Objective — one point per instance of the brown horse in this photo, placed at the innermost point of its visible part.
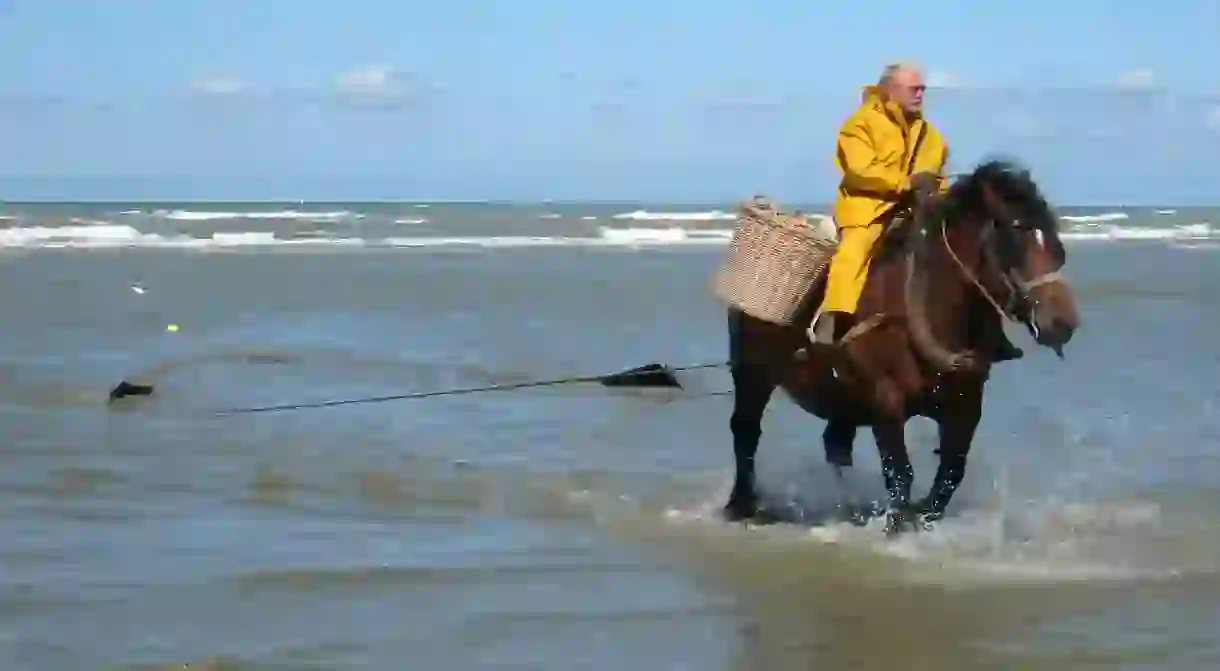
(941, 282)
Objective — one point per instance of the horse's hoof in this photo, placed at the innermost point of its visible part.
(928, 513)
(926, 520)
(740, 509)
(851, 513)
(856, 517)
(901, 520)
(925, 523)
(930, 516)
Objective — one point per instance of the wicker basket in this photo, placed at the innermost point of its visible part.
(773, 262)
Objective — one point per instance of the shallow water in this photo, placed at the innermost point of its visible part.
(568, 527)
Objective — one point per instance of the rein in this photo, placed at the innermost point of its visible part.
(916, 298)
(944, 236)
(1019, 287)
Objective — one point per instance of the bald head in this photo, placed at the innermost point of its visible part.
(903, 84)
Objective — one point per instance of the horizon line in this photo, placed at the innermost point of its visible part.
(515, 202)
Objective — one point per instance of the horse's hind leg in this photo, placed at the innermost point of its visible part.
(838, 439)
(752, 389)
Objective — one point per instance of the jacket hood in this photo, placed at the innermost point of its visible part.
(871, 95)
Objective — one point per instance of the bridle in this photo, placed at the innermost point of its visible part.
(1020, 305)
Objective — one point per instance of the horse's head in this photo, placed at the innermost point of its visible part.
(1022, 254)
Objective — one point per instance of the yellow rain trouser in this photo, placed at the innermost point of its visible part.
(849, 267)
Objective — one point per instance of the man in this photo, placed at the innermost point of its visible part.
(887, 153)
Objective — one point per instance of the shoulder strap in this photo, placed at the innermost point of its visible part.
(923, 129)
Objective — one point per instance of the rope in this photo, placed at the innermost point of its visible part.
(944, 235)
(446, 392)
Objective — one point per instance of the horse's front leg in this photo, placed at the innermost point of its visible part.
(752, 389)
(897, 470)
(956, 423)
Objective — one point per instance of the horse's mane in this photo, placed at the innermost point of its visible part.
(1009, 181)
(964, 204)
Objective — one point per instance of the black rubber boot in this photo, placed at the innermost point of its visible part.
(1004, 350)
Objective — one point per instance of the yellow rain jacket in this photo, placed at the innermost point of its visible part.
(874, 154)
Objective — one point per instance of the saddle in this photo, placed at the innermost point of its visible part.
(894, 236)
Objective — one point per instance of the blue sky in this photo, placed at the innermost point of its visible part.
(695, 100)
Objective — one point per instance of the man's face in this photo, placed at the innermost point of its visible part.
(906, 89)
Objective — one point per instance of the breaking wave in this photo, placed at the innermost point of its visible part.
(196, 215)
(634, 229)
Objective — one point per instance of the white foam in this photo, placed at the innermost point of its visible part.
(1048, 543)
(644, 235)
(1108, 232)
(243, 239)
(997, 545)
(1095, 218)
(483, 241)
(609, 237)
(199, 215)
(116, 235)
(108, 235)
(644, 215)
(39, 236)
(80, 221)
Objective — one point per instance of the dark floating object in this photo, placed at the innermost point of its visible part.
(649, 375)
(125, 389)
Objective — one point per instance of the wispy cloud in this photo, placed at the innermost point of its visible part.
(1137, 79)
(219, 86)
(378, 79)
(376, 84)
(1213, 118)
(1018, 122)
(942, 79)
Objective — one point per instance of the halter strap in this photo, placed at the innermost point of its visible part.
(1048, 278)
(1025, 285)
